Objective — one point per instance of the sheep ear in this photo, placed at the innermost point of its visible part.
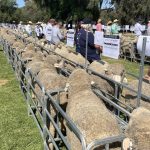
(67, 86)
(127, 144)
(92, 82)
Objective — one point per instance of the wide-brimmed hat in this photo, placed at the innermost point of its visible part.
(109, 22)
(30, 22)
(39, 23)
(116, 20)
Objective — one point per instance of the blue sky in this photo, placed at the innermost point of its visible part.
(20, 3)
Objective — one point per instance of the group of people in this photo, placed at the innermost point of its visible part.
(84, 36)
(138, 29)
(112, 27)
(51, 31)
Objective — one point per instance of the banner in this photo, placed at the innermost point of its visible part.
(99, 38)
(140, 45)
(111, 47)
(127, 27)
(70, 37)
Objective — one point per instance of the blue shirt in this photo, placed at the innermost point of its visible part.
(91, 50)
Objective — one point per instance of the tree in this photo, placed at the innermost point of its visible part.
(130, 10)
(7, 9)
(62, 9)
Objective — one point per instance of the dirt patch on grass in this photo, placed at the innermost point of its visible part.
(3, 82)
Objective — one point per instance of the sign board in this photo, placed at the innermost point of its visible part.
(111, 47)
(131, 28)
(140, 44)
(143, 27)
(127, 27)
(70, 37)
(99, 38)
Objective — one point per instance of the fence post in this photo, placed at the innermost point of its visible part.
(28, 90)
(141, 72)
(45, 121)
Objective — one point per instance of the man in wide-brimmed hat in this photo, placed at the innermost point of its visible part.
(115, 27)
(28, 28)
(39, 30)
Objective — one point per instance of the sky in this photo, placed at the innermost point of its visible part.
(20, 3)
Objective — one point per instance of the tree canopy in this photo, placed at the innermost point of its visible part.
(127, 11)
(7, 9)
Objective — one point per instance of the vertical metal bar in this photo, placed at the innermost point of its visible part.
(86, 50)
(141, 72)
(116, 96)
(57, 113)
(116, 91)
(45, 135)
(28, 91)
(107, 147)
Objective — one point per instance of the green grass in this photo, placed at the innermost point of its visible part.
(18, 131)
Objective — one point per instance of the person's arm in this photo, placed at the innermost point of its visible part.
(60, 35)
(91, 42)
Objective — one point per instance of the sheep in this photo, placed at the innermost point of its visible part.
(87, 111)
(110, 72)
(99, 67)
(138, 129)
(35, 65)
(52, 59)
(131, 97)
(19, 46)
(62, 52)
(51, 81)
(127, 46)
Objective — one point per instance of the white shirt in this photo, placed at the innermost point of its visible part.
(28, 29)
(56, 35)
(44, 28)
(138, 29)
(38, 30)
(108, 30)
(48, 32)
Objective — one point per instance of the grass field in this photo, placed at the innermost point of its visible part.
(18, 131)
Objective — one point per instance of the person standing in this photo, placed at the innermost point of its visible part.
(108, 28)
(115, 27)
(91, 50)
(39, 30)
(28, 28)
(99, 25)
(48, 31)
(20, 27)
(56, 34)
(77, 36)
(138, 29)
(148, 28)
